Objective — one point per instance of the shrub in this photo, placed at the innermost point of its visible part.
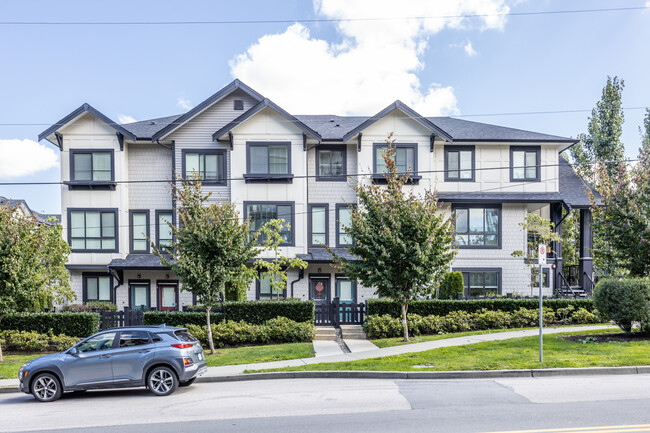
(30, 341)
(383, 326)
(77, 308)
(451, 285)
(73, 324)
(564, 315)
(582, 316)
(524, 318)
(102, 305)
(179, 318)
(624, 301)
(488, 319)
(457, 321)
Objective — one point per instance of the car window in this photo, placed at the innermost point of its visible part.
(133, 338)
(155, 337)
(185, 336)
(97, 343)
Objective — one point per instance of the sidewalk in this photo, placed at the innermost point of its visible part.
(236, 372)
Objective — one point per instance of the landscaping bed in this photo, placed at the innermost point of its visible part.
(608, 338)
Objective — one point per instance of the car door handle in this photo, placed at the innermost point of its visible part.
(145, 351)
(105, 356)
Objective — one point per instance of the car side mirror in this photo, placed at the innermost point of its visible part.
(73, 351)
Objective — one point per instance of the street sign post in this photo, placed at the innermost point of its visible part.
(541, 260)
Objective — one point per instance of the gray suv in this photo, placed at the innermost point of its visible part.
(161, 358)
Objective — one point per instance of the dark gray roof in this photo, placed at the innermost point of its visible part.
(146, 129)
(320, 255)
(137, 261)
(466, 130)
(330, 127)
(41, 217)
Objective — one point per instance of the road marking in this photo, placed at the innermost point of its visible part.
(601, 429)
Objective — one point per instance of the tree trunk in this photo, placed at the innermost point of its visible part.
(209, 330)
(1, 358)
(405, 325)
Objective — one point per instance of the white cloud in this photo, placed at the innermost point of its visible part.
(25, 157)
(125, 118)
(469, 49)
(375, 63)
(183, 103)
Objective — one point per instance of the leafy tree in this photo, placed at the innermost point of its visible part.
(211, 248)
(451, 285)
(570, 238)
(32, 263)
(404, 242)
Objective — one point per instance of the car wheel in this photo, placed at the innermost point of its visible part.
(46, 387)
(162, 381)
(187, 382)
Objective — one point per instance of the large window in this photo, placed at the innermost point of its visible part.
(268, 159)
(478, 227)
(406, 157)
(265, 290)
(91, 165)
(97, 287)
(524, 163)
(163, 230)
(139, 231)
(93, 230)
(318, 230)
(481, 282)
(459, 163)
(208, 165)
(259, 214)
(330, 163)
(346, 290)
(343, 219)
(139, 294)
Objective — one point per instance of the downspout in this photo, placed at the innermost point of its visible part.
(301, 275)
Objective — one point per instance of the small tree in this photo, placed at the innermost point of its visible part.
(451, 285)
(404, 242)
(211, 248)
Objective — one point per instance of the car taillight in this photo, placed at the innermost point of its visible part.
(182, 345)
(188, 361)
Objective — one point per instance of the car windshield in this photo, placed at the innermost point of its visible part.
(97, 342)
(185, 336)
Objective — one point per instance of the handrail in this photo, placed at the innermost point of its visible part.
(567, 284)
(590, 280)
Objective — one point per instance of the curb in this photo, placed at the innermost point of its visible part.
(417, 375)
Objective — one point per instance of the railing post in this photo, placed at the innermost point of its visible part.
(336, 312)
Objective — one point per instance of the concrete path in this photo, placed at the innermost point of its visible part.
(326, 348)
(359, 345)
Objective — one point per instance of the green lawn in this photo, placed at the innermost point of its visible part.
(255, 354)
(519, 353)
(12, 362)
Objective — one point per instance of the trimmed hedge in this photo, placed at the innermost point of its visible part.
(30, 341)
(254, 312)
(441, 307)
(625, 301)
(72, 324)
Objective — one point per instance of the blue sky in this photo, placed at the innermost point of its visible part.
(499, 64)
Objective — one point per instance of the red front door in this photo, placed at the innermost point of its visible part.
(167, 297)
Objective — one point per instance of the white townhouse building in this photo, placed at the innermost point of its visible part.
(273, 164)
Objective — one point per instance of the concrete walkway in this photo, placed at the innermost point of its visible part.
(231, 372)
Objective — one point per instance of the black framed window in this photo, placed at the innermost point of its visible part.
(97, 287)
(208, 165)
(139, 294)
(331, 163)
(546, 277)
(92, 230)
(265, 290)
(459, 164)
(478, 226)
(259, 213)
(481, 282)
(268, 158)
(343, 219)
(318, 225)
(91, 165)
(525, 163)
(139, 229)
(406, 156)
(164, 235)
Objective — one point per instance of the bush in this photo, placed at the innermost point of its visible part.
(383, 326)
(624, 301)
(77, 308)
(451, 285)
(30, 341)
(102, 305)
(457, 321)
(582, 316)
(488, 319)
(179, 318)
(73, 324)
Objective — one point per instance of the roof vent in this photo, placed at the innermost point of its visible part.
(337, 125)
(239, 104)
(332, 120)
(152, 123)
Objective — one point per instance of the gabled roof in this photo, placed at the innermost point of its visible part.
(145, 129)
(85, 108)
(399, 105)
(234, 85)
(273, 106)
(331, 127)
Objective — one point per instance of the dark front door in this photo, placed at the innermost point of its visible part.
(167, 297)
(319, 290)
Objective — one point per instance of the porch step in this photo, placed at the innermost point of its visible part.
(578, 292)
(325, 333)
(353, 332)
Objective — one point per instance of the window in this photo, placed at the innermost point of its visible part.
(346, 290)
(97, 287)
(481, 282)
(268, 159)
(260, 213)
(97, 343)
(318, 233)
(163, 231)
(139, 231)
(478, 227)
(331, 163)
(459, 163)
(265, 290)
(524, 163)
(343, 219)
(546, 277)
(139, 294)
(208, 165)
(405, 158)
(133, 338)
(91, 165)
(92, 230)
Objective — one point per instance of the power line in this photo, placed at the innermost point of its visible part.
(315, 20)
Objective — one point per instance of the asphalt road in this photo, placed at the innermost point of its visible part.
(590, 404)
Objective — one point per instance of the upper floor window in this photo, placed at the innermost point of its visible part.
(93, 230)
(318, 225)
(343, 219)
(406, 157)
(525, 163)
(163, 231)
(459, 163)
(478, 226)
(260, 213)
(97, 287)
(330, 163)
(270, 160)
(208, 165)
(91, 165)
(139, 231)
